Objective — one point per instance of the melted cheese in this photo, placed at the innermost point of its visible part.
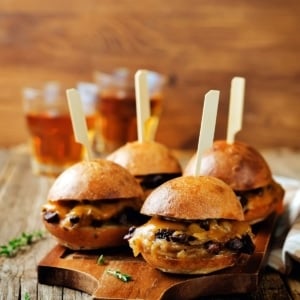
(87, 212)
(269, 195)
(144, 239)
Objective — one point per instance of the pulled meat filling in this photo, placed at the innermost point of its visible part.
(245, 196)
(260, 197)
(71, 214)
(237, 244)
(191, 238)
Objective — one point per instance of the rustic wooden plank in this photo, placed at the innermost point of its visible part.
(9, 288)
(46, 292)
(20, 212)
(28, 287)
(271, 287)
(21, 197)
(49, 292)
(75, 295)
(19, 186)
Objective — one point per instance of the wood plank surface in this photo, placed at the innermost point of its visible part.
(21, 197)
(199, 45)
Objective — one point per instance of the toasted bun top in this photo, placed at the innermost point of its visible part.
(237, 164)
(95, 180)
(146, 158)
(193, 198)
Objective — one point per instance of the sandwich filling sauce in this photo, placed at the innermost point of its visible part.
(72, 214)
(260, 197)
(207, 238)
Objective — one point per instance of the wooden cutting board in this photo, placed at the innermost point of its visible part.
(79, 270)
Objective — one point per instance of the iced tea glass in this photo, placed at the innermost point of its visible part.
(52, 141)
(116, 121)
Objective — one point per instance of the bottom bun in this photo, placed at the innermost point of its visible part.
(89, 238)
(192, 265)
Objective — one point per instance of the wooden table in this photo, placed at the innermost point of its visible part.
(21, 196)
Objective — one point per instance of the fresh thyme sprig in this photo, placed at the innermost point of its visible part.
(119, 275)
(17, 244)
(101, 260)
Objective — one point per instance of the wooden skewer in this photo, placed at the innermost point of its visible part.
(142, 103)
(208, 124)
(79, 121)
(236, 105)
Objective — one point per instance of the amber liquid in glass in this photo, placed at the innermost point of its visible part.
(52, 140)
(116, 123)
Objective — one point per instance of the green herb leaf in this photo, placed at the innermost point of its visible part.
(26, 296)
(121, 276)
(19, 243)
(101, 260)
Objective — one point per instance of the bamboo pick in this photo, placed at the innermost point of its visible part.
(236, 104)
(142, 103)
(79, 121)
(208, 124)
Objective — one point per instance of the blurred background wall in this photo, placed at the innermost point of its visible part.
(199, 44)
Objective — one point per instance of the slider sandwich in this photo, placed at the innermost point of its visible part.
(245, 170)
(151, 163)
(92, 205)
(197, 226)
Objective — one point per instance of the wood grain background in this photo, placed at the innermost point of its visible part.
(199, 44)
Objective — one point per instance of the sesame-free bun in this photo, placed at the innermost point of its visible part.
(94, 180)
(237, 164)
(193, 198)
(144, 158)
